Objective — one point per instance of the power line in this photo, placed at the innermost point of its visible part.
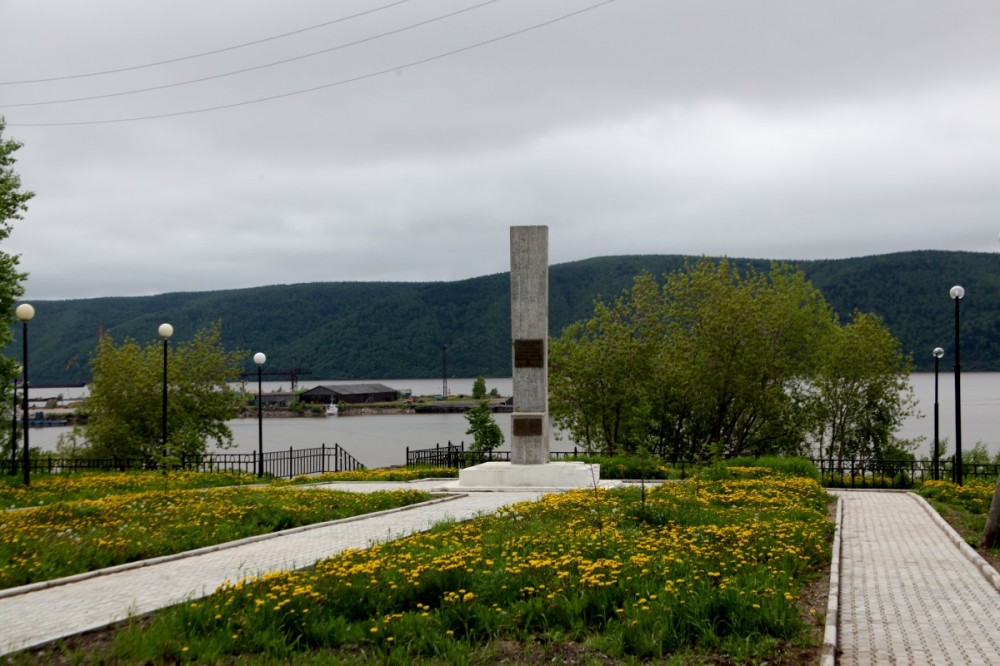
(353, 79)
(257, 67)
(207, 53)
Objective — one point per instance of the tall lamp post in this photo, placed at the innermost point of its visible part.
(165, 331)
(260, 359)
(24, 313)
(13, 425)
(957, 293)
(938, 353)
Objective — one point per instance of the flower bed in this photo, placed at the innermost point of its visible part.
(68, 537)
(711, 566)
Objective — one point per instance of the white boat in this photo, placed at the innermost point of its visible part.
(331, 410)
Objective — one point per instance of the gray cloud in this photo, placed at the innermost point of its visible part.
(774, 129)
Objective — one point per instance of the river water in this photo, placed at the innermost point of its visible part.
(378, 441)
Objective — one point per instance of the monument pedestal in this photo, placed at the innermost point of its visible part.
(559, 475)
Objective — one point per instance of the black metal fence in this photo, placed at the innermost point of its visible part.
(457, 456)
(852, 473)
(278, 464)
(834, 472)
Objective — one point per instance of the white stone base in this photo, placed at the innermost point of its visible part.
(558, 475)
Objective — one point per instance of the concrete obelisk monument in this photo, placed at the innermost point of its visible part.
(529, 325)
(529, 464)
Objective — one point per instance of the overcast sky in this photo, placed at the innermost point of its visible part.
(400, 139)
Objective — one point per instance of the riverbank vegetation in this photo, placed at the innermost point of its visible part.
(713, 568)
(341, 329)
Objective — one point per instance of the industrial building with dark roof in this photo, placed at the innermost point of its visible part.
(328, 394)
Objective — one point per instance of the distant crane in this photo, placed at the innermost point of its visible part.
(74, 363)
(293, 375)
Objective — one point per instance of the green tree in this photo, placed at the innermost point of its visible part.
(979, 455)
(13, 203)
(597, 371)
(711, 363)
(862, 392)
(736, 351)
(125, 404)
(486, 434)
(479, 388)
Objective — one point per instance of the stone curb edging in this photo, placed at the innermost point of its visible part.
(828, 656)
(984, 567)
(118, 568)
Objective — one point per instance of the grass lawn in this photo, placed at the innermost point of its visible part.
(719, 569)
(78, 523)
(965, 508)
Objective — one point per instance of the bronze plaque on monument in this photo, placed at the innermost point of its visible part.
(530, 426)
(529, 353)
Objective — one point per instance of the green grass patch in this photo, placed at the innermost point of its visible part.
(704, 567)
(66, 537)
(790, 466)
(965, 507)
(636, 467)
(48, 488)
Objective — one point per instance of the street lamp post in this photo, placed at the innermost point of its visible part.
(957, 293)
(165, 331)
(938, 353)
(13, 426)
(260, 359)
(24, 313)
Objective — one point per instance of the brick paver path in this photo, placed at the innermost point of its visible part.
(907, 593)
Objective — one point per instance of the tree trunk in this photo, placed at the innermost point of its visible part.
(991, 535)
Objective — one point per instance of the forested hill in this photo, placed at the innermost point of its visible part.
(355, 330)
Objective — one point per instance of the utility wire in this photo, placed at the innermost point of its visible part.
(340, 82)
(208, 53)
(256, 67)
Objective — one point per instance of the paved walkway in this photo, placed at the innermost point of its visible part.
(905, 589)
(909, 592)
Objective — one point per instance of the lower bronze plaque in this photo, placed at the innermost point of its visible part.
(529, 353)
(529, 426)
